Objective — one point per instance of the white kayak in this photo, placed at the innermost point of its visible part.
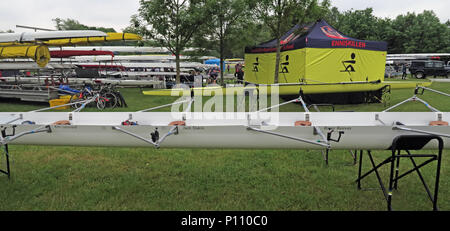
(293, 130)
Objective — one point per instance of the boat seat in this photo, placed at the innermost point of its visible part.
(61, 122)
(302, 123)
(438, 123)
(177, 123)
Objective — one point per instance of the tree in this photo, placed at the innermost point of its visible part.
(72, 24)
(419, 33)
(7, 31)
(247, 30)
(224, 15)
(361, 24)
(282, 15)
(408, 33)
(170, 22)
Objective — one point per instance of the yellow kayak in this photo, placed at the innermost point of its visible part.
(288, 89)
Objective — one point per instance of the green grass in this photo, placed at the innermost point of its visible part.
(103, 178)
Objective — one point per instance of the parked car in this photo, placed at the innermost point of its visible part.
(423, 68)
(447, 68)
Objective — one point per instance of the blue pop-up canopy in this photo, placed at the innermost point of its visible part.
(216, 62)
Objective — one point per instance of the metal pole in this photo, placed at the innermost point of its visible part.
(166, 105)
(391, 178)
(407, 100)
(290, 137)
(19, 118)
(134, 135)
(173, 130)
(303, 104)
(45, 128)
(397, 169)
(420, 175)
(279, 105)
(48, 108)
(435, 91)
(438, 174)
(420, 131)
(86, 103)
(7, 162)
(427, 104)
(360, 168)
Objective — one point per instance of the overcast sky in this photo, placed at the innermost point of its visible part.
(116, 13)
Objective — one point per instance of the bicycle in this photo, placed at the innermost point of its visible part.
(86, 97)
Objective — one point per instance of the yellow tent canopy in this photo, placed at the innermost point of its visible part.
(316, 53)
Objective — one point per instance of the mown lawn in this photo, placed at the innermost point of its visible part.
(103, 178)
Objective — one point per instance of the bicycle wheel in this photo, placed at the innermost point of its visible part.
(76, 100)
(101, 103)
(110, 100)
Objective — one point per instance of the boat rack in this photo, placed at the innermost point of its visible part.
(27, 92)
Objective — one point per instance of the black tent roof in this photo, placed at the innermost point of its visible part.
(318, 35)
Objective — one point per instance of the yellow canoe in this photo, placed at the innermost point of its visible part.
(288, 89)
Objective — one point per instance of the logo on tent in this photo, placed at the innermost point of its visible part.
(255, 65)
(332, 33)
(286, 40)
(348, 64)
(284, 65)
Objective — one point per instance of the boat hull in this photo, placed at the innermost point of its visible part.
(225, 130)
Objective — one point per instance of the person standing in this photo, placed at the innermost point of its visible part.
(404, 71)
(239, 73)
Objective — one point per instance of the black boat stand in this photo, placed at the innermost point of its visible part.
(8, 170)
(406, 143)
(6, 138)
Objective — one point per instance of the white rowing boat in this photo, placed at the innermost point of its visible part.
(295, 130)
(48, 35)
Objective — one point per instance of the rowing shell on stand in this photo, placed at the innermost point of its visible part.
(292, 130)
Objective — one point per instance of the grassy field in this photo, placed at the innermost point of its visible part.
(102, 178)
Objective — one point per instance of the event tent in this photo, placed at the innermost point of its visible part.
(316, 53)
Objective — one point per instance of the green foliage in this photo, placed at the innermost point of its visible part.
(72, 24)
(361, 24)
(7, 31)
(172, 23)
(420, 33)
(410, 33)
